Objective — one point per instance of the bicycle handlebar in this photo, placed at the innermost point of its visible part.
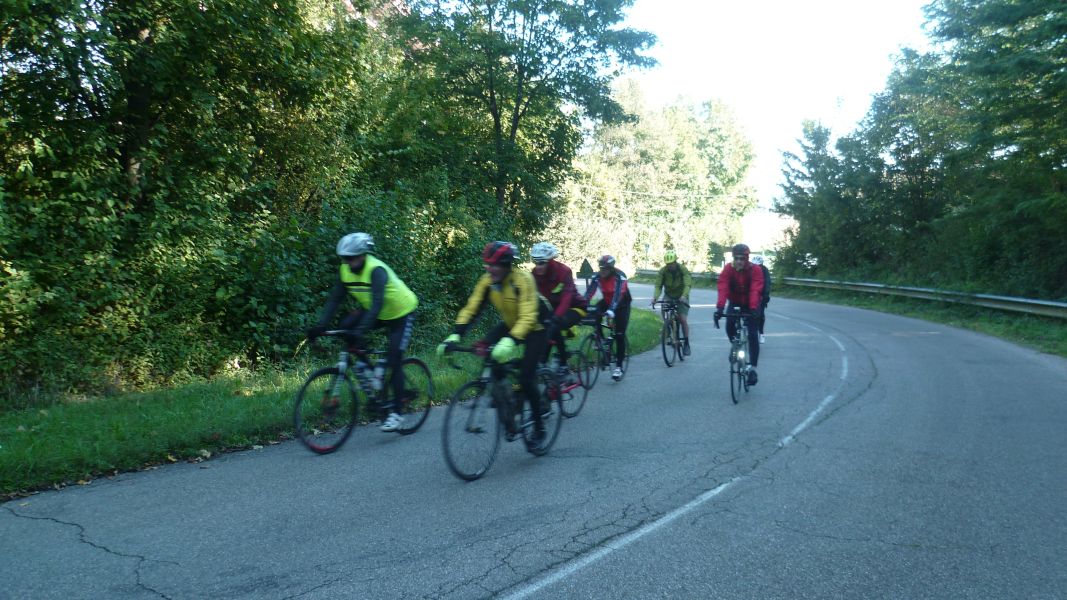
(670, 302)
(360, 352)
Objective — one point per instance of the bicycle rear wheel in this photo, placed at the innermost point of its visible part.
(626, 359)
(325, 410)
(471, 433)
(419, 394)
(589, 362)
(551, 414)
(667, 344)
(572, 391)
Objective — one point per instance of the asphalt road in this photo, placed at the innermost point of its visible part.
(878, 457)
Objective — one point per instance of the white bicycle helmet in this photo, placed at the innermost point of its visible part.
(543, 251)
(355, 244)
(757, 260)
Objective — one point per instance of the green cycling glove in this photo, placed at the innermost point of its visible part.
(452, 339)
(503, 349)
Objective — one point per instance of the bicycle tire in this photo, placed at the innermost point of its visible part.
(572, 392)
(591, 362)
(321, 419)
(470, 436)
(736, 379)
(573, 399)
(418, 385)
(551, 414)
(678, 339)
(626, 359)
(666, 342)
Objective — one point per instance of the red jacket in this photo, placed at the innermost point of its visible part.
(557, 284)
(742, 288)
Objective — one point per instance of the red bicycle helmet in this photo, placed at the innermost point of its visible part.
(499, 253)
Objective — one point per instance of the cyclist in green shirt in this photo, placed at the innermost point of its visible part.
(384, 301)
(675, 281)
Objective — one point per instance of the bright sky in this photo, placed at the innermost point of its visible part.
(777, 62)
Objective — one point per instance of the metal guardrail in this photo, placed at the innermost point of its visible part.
(1030, 306)
(1024, 305)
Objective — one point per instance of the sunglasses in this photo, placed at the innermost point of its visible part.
(540, 262)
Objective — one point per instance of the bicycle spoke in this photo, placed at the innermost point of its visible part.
(471, 432)
(419, 395)
(325, 411)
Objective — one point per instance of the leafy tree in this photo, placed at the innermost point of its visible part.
(671, 178)
(521, 62)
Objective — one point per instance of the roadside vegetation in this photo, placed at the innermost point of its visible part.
(67, 443)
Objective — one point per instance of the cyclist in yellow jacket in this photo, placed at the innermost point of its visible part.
(384, 301)
(514, 295)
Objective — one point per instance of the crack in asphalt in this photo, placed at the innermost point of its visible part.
(84, 538)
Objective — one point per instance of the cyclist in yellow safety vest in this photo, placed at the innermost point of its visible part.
(384, 301)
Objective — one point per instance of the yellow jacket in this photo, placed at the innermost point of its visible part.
(515, 298)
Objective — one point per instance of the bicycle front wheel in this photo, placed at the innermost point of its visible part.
(326, 410)
(737, 381)
(589, 362)
(667, 344)
(471, 433)
(414, 408)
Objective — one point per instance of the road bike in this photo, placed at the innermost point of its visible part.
(570, 376)
(739, 352)
(490, 407)
(670, 337)
(329, 403)
(597, 350)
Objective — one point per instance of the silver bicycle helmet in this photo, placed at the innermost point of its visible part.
(355, 244)
(543, 251)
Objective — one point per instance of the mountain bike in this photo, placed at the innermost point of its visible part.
(489, 407)
(738, 352)
(670, 337)
(328, 405)
(597, 350)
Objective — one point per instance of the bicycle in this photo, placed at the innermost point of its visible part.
(484, 406)
(670, 337)
(328, 404)
(572, 392)
(738, 353)
(597, 350)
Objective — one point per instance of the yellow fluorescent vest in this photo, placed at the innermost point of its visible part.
(399, 299)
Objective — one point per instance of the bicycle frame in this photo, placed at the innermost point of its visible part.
(671, 333)
(328, 405)
(739, 353)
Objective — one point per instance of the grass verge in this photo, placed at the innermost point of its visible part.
(75, 442)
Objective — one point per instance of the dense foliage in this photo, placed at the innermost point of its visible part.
(174, 175)
(958, 175)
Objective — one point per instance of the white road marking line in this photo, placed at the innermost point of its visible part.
(567, 569)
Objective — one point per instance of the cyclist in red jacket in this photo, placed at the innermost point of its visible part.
(555, 281)
(614, 304)
(742, 284)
